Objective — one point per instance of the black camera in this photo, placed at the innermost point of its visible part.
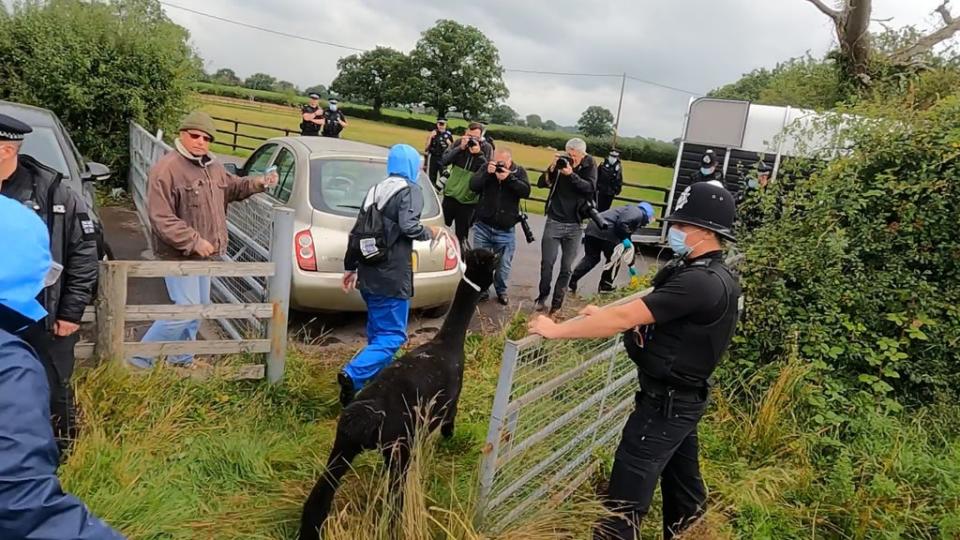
(473, 142)
(525, 225)
(563, 162)
(501, 167)
(589, 209)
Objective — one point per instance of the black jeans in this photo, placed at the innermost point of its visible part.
(654, 447)
(433, 169)
(459, 214)
(558, 237)
(593, 248)
(57, 356)
(604, 201)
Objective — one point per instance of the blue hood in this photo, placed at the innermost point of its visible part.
(404, 161)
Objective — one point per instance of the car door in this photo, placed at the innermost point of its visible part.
(258, 162)
(285, 162)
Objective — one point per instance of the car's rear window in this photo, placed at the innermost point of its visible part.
(43, 146)
(338, 186)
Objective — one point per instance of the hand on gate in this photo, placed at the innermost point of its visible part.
(65, 328)
(543, 326)
(204, 248)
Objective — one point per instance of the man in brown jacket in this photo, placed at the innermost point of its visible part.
(188, 191)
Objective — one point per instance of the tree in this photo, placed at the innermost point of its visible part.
(285, 87)
(852, 22)
(378, 77)
(260, 81)
(459, 67)
(596, 121)
(550, 125)
(799, 82)
(226, 76)
(534, 121)
(98, 65)
(318, 89)
(503, 114)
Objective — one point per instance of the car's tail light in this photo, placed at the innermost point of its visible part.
(451, 258)
(306, 256)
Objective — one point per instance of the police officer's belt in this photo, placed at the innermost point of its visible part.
(660, 389)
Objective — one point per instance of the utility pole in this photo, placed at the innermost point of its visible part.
(616, 125)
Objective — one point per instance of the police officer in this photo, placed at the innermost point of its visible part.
(750, 215)
(675, 335)
(333, 120)
(708, 169)
(311, 121)
(609, 181)
(74, 247)
(438, 142)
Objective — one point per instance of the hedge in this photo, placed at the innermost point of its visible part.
(655, 152)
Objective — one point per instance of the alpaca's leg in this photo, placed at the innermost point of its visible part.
(449, 415)
(317, 507)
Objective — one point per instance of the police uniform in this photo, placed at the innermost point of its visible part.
(331, 125)
(73, 245)
(696, 304)
(310, 129)
(708, 160)
(609, 182)
(438, 145)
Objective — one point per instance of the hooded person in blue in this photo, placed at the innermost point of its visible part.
(32, 502)
(388, 286)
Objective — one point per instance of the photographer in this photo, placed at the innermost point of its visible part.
(500, 185)
(464, 159)
(572, 179)
(333, 120)
(439, 140)
(311, 117)
(609, 181)
(620, 224)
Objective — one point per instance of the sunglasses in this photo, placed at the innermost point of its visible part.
(203, 136)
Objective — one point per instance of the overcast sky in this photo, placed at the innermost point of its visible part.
(695, 45)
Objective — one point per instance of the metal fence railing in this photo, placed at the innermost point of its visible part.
(558, 406)
(252, 224)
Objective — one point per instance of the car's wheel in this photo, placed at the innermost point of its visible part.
(436, 312)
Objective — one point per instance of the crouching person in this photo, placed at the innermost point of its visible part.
(32, 502)
(379, 262)
(621, 222)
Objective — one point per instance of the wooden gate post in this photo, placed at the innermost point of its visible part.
(111, 311)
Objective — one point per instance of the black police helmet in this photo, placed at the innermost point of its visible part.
(764, 168)
(709, 159)
(706, 205)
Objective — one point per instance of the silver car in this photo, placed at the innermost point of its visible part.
(324, 181)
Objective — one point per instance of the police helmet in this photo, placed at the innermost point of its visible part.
(708, 206)
(763, 168)
(708, 160)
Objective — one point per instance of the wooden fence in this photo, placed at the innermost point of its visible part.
(112, 312)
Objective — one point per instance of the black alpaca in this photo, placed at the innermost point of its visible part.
(384, 413)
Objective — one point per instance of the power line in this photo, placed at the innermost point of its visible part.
(360, 49)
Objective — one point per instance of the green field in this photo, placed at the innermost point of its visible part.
(387, 134)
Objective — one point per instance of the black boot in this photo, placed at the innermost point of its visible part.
(346, 388)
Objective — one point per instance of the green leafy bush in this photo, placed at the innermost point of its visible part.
(860, 268)
(97, 66)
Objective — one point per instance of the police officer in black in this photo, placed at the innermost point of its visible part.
(311, 117)
(708, 170)
(333, 120)
(676, 335)
(73, 246)
(438, 142)
(609, 181)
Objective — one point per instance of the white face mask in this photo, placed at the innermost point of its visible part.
(333, 106)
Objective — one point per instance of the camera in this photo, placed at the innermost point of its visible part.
(525, 226)
(474, 141)
(501, 167)
(589, 209)
(564, 161)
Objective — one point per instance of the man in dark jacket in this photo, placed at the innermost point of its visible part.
(388, 286)
(333, 120)
(609, 181)
(572, 179)
(32, 502)
(311, 117)
(73, 243)
(501, 185)
(708, 169)
(464, 159)
(621, 222)
(438, 142)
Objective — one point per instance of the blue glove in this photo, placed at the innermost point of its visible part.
(627, 244)
(647, 210)
(633, 271)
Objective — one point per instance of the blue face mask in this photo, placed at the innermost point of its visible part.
(677, 240)
(333, 106)
(706, 171)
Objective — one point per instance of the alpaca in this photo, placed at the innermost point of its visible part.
(384, 413)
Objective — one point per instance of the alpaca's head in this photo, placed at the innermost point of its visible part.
(481, 264)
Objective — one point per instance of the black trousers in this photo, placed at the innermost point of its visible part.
(57, 356)
(433, 170)
(593, 248)
(460, 216)
(659, 443)
(604, 201)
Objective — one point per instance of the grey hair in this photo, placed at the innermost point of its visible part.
(577, 144)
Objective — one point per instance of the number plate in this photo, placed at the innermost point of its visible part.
(415, 260)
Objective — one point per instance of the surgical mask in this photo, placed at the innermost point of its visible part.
(753, 183)
(677, 240)
(333, 107)
(706, 170)
(611, 160)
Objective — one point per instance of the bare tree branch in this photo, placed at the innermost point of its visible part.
(828, 11)
(927, 42)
